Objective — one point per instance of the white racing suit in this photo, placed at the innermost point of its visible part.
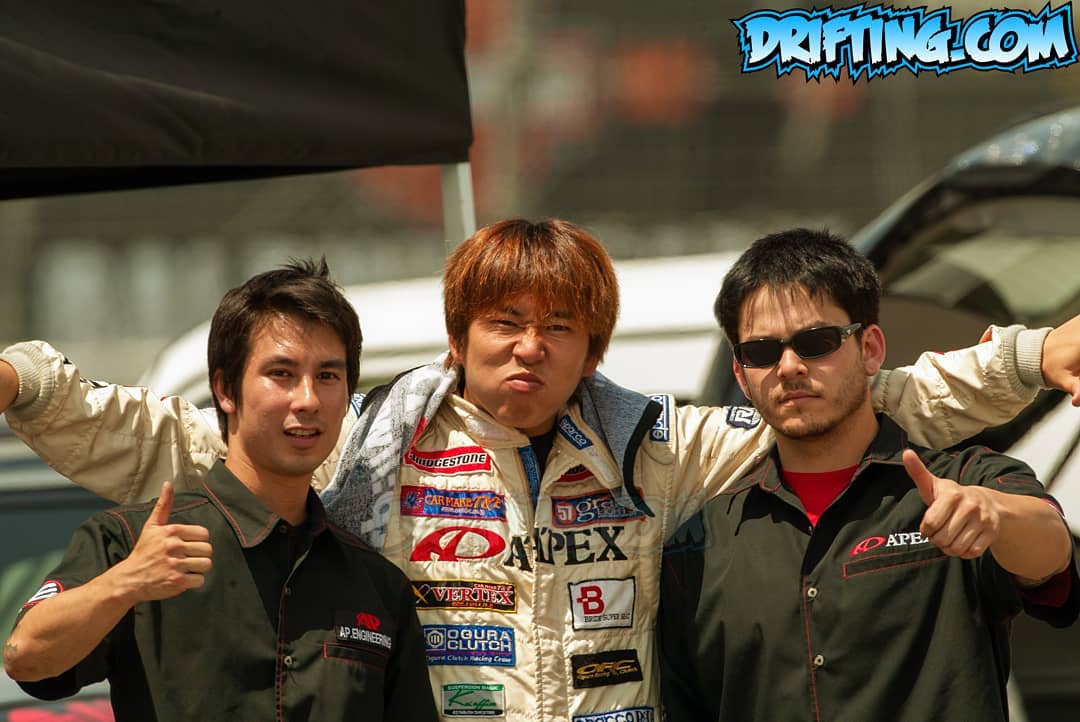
(534, 611)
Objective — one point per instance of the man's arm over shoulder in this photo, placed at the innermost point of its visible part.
(118, 441)
(944, 398)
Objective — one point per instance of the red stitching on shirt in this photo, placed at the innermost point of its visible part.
(327, 645)
(890, 566)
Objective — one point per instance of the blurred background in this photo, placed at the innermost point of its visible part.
(630, 117)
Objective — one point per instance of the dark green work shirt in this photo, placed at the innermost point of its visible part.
(764, 617)
(293, 623)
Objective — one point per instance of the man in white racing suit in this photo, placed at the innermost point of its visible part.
(526, 496)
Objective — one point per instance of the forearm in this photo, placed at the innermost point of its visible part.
(58, 633)
(1033, 543)
(945, 398)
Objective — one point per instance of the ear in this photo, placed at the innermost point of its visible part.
(456, 351)
(873, 348)
(224, 398)
(740, 376)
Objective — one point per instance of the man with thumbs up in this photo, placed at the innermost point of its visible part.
(239, 600)
(849, 575)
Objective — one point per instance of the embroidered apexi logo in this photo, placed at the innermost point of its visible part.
(460, 460)
(469, 645)
(361, 627)
(573, 434)
(897, 539)
(575, 473)
(603, 603)
(465, 594)
(451, 504)
(605, 668)
(457, 543)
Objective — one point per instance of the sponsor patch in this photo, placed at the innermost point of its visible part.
(661, 430)
(458, 543)
(361, 627)
(629, 714)
(49, 589)
(600, 506)
(459, 460)
(575, 473)
(603, 603)
(573, 434)
(464, 594)
(469, 645)
(895, 539)
(744, 417)
(356, 402)
(615, 666)
(469, 699)
(452, 504)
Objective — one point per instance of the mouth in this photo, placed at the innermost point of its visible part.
(524, 382)
(302, 433)
(793, 396)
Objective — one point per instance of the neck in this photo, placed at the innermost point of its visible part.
(284, 496)
(840, 447)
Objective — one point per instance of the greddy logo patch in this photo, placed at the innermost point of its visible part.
(428, 501)
(630, 714)
(573, 511)
(458, 543)
(469, 645)
(605, 668)
(897, 539)
(49, 589)
(603, 603)
(361, 627)
(464, 594)
(573, 434)
(460, 460)
(744, 417)
(467, 699)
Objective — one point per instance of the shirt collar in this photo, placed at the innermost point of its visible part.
(247, 515)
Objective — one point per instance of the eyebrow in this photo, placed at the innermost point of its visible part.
(289, 361)
(518, 314)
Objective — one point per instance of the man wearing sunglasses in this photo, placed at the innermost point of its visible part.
(849, 575)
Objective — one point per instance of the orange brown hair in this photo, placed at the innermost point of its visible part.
(561, 265)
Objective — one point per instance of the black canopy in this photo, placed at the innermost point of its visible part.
(134, 93)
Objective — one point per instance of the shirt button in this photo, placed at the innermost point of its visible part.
(819, 661)
(282, 529)
(811, 593)
(288, 660)
(288, 591)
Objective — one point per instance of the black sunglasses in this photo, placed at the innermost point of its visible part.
(811, 343)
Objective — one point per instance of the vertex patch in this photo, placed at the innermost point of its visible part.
(470, 645)
(661, 430)
(49, 589)
(464, 594)
(616, 666)
(452, 504)
(603, 603)
(471, 699)
(459, 460)
(575, 473)
(744, 417)
(361, 627)
(627, 714)
(594, 508)
(573, 434)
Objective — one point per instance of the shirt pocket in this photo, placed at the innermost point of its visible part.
(339, 652)
(893, 563)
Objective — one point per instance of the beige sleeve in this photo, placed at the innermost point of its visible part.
(121, 442)
(944, 398)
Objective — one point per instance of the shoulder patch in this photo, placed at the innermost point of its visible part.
(744, 417)
(661, 430)
(573, 434)
(355, 403)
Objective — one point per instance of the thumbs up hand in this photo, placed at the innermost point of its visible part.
(962, 521)
(168, 559)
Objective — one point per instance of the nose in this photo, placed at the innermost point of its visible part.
(304, 396)
(529, 347)
(790, 364)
